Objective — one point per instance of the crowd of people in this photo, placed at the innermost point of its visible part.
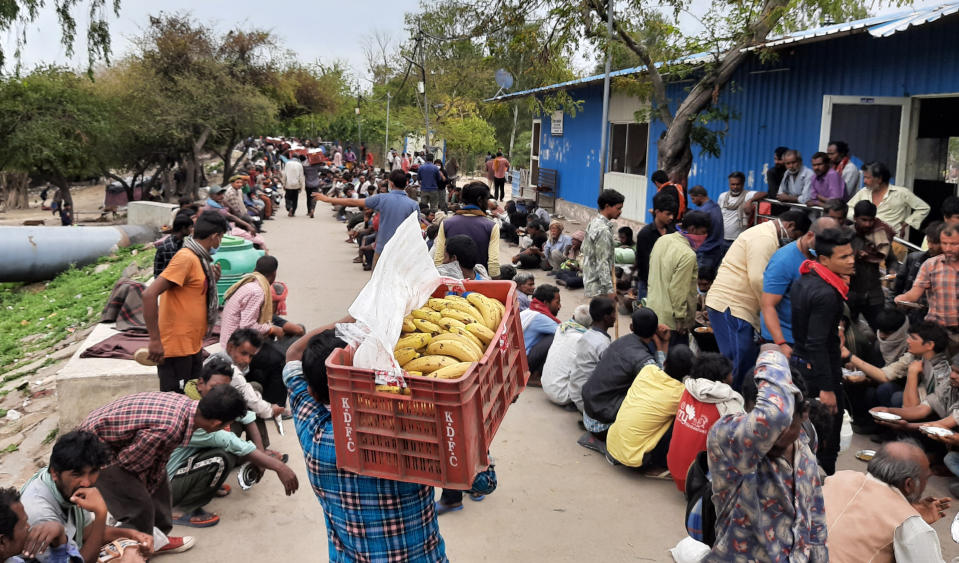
(755, 322)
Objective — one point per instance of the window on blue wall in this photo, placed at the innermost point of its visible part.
(627, 147)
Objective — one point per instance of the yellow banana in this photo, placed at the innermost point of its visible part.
(479, 331)
(429, 364)
(474, 342)
(416, 373)
(416, 340)
(456, 297)
(408, 325)
(404, 355)
(453, 372)
(467, 309)
(457, 350)
(456, 337)
(462, 317)
(485, 309)
(437, 304)
(393, 390)
(426, 326)
(426, 314)
(448, 323)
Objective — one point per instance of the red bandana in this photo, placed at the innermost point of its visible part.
(827, 275)
(540, 307)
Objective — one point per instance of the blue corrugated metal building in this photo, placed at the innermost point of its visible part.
(888, 85)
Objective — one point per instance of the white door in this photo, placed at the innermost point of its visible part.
(876, 128)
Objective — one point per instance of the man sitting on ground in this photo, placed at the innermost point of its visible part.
(525, 286)
(62, 499)
(539, 325)
(142, 430)
(864, 511)
(708, 396)
(198, 470)
(750, 456)
(561, 358)
(14, 530)
(941, 408)
(607, 386)
(641, 434)
(590, 348)
(460, 260)
(248, 304)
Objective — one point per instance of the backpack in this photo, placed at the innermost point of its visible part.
(700, 512)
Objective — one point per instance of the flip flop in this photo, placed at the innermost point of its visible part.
(199, 518)
(223, 491)
(444, 508)
(142, 357)
(658, 473)
(591, 442)
(476, 497)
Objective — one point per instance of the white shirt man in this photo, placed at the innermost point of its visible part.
(293, 177)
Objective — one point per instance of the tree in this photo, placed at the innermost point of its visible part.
(49, 120)
(646, 31)
(19, 14)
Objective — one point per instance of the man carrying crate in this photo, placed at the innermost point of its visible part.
(367, 519)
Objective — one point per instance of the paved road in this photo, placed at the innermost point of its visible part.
(555, 501)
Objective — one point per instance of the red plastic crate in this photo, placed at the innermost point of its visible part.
(439, 434)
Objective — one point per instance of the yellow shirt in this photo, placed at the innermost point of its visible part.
(739, 281)
(897, 206)
(644, 417)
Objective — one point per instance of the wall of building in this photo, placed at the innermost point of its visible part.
(778, 102)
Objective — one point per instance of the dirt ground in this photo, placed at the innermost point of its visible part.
(87, 201)
(555, 502)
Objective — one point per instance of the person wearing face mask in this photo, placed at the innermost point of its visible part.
(734, 309)
(737, 208)
(674, 273)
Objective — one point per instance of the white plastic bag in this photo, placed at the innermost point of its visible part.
(404, 278)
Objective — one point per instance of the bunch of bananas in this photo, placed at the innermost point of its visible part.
(443, 338)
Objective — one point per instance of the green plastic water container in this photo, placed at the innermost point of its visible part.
(236, 258)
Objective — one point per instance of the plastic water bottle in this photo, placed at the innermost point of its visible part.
(845, 434)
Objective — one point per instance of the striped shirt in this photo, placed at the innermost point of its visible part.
(940, 280)
(242, 310)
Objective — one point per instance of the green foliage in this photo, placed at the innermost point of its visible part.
(51, 436)
(466, 136)
(70, 302)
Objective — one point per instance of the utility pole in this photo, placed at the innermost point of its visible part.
(605, 123)
(359, 124)
(426, 102)
(386, 141)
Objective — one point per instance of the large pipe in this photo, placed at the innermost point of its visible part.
(29, 254)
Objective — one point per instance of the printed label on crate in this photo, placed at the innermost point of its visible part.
(503, 342)
(450, 439)
(348, 424)
(393, 378)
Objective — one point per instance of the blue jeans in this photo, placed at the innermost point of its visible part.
(736, 340)
(889, 394)
(952, 462)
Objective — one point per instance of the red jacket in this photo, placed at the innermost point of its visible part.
(694, 418)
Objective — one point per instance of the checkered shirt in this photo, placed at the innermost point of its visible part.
(941, 283)
(367, 519)
(143, 430)
(165, 251)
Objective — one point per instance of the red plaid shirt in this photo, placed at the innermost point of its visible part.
(143, 430)
(940, 280)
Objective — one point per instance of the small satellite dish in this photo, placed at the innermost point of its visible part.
(504, 79)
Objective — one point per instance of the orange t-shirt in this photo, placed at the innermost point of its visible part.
(183, 307)
(500, 166)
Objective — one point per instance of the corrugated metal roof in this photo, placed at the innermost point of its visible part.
(877, 26)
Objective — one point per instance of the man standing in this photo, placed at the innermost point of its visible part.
(881, 515)
(795, 185)
(393, 207)
(500, 168)
(665, 208)
(142, 430)
(938, 280)
(895, 206)
(187, 305)
(661, 180)
(733, 301)
(737, 208)
(311, 182)
(826, 183)
(63, 497)
(871, 246)
(673, 275)
(710, 253)
(166, 250)
(817, 306)
(431, 178)
(294, 180)
(766, 486)
(598, 255)
(774, 174)
(838, 152)
(776, 313)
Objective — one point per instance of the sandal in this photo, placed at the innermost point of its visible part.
(658, 473)
(223, 491)
(444, 508)
(476, 497)
(199, 518)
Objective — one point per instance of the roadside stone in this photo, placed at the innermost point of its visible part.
(35, 437)
(31, 338)
(102, 268)
(13, 414)
(16, 467)
(26, 368)
(14, 439)
(66, 352)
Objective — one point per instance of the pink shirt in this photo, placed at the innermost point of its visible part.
(242, 310)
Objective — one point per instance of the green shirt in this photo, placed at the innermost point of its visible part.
(597, 257)
(673, 274)
(202, 440)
